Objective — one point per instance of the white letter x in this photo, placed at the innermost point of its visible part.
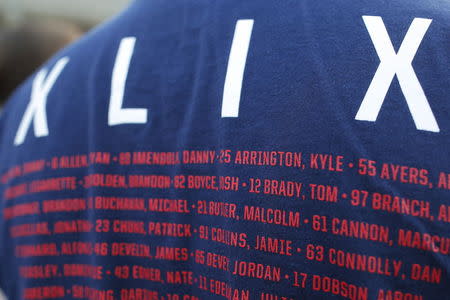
(36, 110)
(399, 64)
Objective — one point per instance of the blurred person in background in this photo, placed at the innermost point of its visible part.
(230, 149)
(25, 47)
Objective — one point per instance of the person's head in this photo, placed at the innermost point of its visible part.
(25, 47)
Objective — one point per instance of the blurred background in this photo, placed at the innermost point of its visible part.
(31, 31)
(86, 13)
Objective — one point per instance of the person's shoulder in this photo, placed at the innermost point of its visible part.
(64, 78)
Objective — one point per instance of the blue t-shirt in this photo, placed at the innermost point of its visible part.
(234, 150)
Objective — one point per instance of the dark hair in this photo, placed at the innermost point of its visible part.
(26, 47)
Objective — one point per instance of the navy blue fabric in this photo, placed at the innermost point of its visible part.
(309, 66)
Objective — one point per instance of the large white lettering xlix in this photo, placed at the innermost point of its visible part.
(399, 64)
(36, 110)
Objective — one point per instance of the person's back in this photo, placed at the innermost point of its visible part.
(234, 149)
(26, 46)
